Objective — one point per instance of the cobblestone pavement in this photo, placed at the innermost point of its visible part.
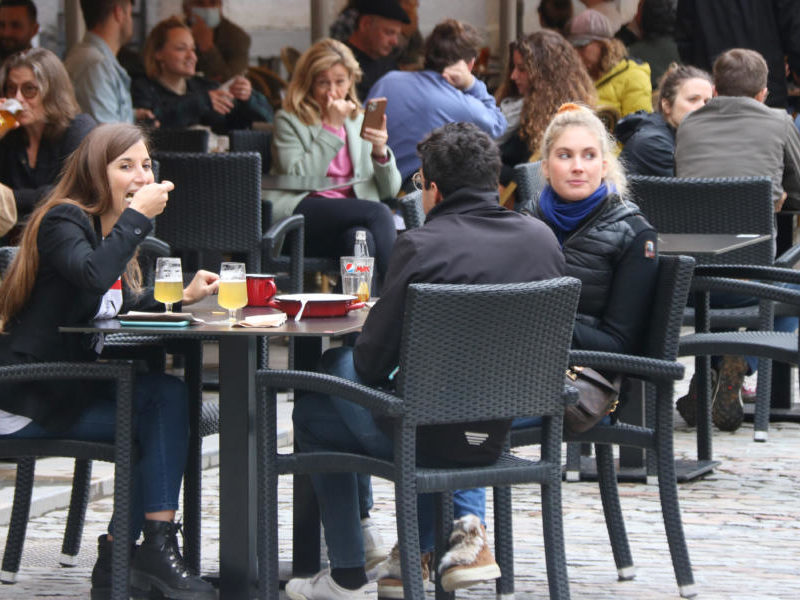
(741, 523)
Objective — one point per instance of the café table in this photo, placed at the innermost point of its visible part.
(307, 183)
(631, 461)
(237, 439)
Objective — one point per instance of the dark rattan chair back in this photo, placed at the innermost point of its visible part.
(179, 140)
(7, 254)
(530, 183)
(253, 140)
(216, 204)
(455, 353)
(411, 209)
(730, 205)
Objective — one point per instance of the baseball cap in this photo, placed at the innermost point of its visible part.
(588, 26)
(389, 9)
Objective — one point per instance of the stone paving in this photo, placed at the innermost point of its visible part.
(741, 523)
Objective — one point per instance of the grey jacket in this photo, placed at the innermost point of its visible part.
(735, 136)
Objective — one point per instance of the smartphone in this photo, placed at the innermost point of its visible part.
(373, 115)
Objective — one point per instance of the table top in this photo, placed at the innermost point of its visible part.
(216, 326)
(706, 244)
(303, 183)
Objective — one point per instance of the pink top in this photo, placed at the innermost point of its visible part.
(340, 166)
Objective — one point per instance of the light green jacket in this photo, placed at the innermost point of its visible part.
(299, 149)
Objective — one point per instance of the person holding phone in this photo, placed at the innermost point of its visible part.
(319, 132)
(180, 98)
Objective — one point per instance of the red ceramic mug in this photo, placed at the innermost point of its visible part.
(260, 288)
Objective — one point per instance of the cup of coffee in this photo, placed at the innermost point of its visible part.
(260, 288)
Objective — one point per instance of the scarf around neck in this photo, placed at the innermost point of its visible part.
(566, 216)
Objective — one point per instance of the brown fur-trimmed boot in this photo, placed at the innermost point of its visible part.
(469, 559)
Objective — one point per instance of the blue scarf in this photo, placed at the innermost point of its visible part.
(566, 216)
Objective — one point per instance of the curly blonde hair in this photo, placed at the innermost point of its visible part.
(556, 74)
(613, 52)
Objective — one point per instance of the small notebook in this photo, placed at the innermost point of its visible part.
(159, 317)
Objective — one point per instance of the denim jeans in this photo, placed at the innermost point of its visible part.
(161, 429)
(330, 423)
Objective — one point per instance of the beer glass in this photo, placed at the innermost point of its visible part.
(232, 288)
(169, 281)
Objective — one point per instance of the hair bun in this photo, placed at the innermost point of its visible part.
(567, 107)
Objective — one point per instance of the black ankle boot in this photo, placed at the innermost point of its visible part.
(158, 564)
(101, 573)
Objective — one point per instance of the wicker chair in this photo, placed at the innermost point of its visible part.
(120, 452)
(658, 367)
(530, 183)
(253, 140)
(179, 140)
(484, 321)
(730, 205)
(215, 207)
(411, 209)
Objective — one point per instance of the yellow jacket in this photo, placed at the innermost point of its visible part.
(626, 88)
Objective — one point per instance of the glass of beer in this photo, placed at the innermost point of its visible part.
(169, 281)
(232, 288)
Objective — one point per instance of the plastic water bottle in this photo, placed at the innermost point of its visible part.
(361, 250)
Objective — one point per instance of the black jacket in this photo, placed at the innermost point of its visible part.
(75, 270)
(174, 111)
(649, 144)
(468, 238)
(31, 184)
(706, 28)
(614, 254)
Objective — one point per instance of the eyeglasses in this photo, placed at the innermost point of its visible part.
(29, 90)
(416, 179)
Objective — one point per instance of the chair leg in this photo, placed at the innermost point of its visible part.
(763, 399)
(573, 472)
(668, 491)
(408, 539)
(79, 500)
(651, 461)
(609, 494)
(504, 542)
(553, 530)
(444, 524)
(192, 478)
(267, 490)
(23, 488)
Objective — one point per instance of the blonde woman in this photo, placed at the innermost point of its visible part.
(317, 133)
(607, 242)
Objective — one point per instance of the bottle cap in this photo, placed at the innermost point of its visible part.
(11, 105)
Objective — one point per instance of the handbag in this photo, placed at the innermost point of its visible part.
(597, 397)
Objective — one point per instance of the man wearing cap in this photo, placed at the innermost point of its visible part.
(376, 35)
(623, 84)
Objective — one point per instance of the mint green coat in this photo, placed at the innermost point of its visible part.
(299, 149)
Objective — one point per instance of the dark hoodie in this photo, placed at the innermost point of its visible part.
(649, 144)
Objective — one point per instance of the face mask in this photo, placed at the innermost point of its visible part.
(210, 15)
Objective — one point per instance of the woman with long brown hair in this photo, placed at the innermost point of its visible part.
(543, 72)
(50, 125)
(77, 262)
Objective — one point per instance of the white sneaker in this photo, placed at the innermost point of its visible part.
(322, 587)
(374, 549)
(390, 575)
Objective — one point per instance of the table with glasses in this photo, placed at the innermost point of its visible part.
(237, 393)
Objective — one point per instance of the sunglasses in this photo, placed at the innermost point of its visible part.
(29, 90)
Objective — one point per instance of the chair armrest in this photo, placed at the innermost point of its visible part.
(789, 258)
(756, 289)
(155, 247)
(38, 371)
(363, 395)
(272, 240)
(642, 367)
(760, 272)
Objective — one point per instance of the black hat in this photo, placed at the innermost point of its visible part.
(389, 9)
